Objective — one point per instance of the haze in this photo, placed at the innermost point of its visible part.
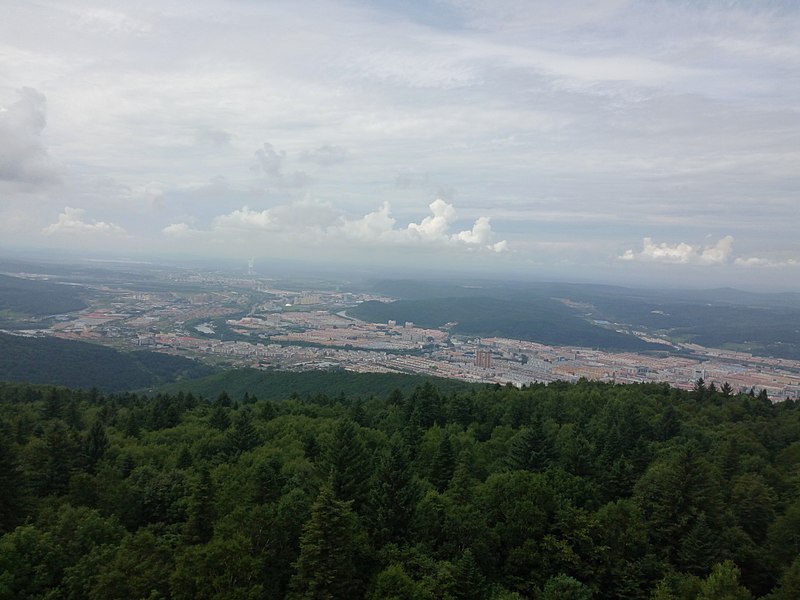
(653, 142)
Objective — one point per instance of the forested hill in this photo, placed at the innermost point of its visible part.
(79, 364)
(534, 318)
(36, 298)
(278, 385)
(565, 491)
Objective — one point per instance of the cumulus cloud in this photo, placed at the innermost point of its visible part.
(437, 223)
(23, 155)
(321, 222)
(326, 155)
(71, 221)
(682, 253)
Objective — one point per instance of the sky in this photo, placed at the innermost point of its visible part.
(653, 142)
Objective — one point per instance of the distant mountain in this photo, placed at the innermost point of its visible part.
(79, 364)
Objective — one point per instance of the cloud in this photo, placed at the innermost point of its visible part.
(23, 156)
(765, 262)
(269, 160)
(436, 225)
(682, 253)
(270, 163)
(178, 230)
(326, 155)
(317, 222)
(214, 137)
(71, 221)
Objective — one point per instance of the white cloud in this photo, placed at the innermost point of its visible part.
(480, 233)
(178, 230)
(682, 253)
(244, 218)
(23, 156)
(71, 222)
(318, 222)
(436, 225)
(372, 227)
(765, 262)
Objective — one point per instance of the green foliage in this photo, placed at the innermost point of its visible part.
(583, 490)
(329, 548)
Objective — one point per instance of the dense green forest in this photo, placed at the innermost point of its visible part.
(533, 318)
(568, 491)
(71, 363)
(278, 385)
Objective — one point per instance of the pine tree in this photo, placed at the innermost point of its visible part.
(348, 464)
(219, 419)
(444, 464)
(11, 487)
(96, 445)
(243, 437)
(469, 582)
(327, 568)
(393, 495)
(200, 524)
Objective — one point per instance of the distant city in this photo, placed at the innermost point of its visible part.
(247, 321)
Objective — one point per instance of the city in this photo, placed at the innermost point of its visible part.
(249, 322)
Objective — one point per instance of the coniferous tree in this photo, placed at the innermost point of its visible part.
(444, 463)
(348, 464)
(243, 436)
(202, 514)
(12, 487)
(469, 582)
(393, 495)
(96, 445)
(219, 419)
(327, 567)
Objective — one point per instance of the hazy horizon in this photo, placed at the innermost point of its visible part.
(633, 143)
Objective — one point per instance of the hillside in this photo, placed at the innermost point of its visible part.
(29, 297)
(83, 365)
(278, 385)
(535, 318)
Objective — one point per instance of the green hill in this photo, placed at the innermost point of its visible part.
(279, 385)
(37, 298)
(78, 364)
(535, 318)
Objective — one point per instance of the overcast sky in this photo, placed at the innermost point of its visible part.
(620, 140)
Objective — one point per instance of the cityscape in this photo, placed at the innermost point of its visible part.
(249, 322)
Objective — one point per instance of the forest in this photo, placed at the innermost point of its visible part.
(561, 491)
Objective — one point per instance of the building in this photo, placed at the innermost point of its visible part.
(483, 358)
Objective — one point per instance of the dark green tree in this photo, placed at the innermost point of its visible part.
(327, 568)
(202, 512)
(348, 464)
(96, 445)
(468, 581)
(219, 419)
(393, 495)
(243, 436)
(444, 463)
(12, 487)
